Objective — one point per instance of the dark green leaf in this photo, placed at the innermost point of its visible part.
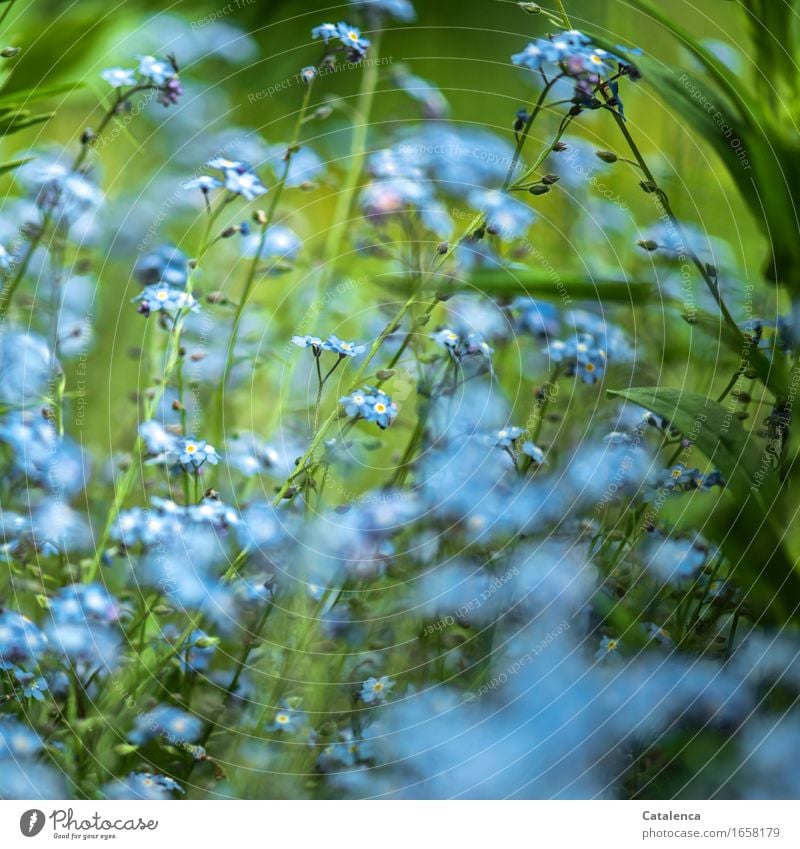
(515, 282)
(11, 166)
(747, 530)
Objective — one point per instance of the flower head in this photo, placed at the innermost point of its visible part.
(342, 348)
(348, 36)
(287, 720)
(119, 77)
(313, 342)
(376, 690)
(572, 54)
(193, 453)
(372, 405)
(166, 299)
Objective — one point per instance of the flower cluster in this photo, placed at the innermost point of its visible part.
(158, 75)
(581, 356)
(237, 178)
(573, 54)
(347, 36)
(333, 344)
(372, 405)
(326, 608)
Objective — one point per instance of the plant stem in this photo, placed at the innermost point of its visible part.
(173, 357)
(277, 193)
(358, 142)
(563, 12)
(305, 461)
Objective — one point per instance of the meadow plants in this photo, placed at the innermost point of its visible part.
(390, 458)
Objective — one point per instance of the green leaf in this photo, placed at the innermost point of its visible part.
(773, 374)
(13, 165)
(747, 529)
(567, 287)
(21, 121)
(23, 96)
(758, 146)
(712, 427)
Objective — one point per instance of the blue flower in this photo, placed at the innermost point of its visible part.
(571, 53)
(156, 70)
(313, 342)
(342, 348)
(582, 355)
(372, 405)
(222, 163)
(376, 690)
(174, 725)
(32, 686)
(534, 452)
(247, 184)
(17, 740)
(21, 641)
(308, 73)
(325, 31)
(447, 338)
(506, 437)
(609, 648)
(193, 453)
(347, 35)
(142, 785)
(351, 38)
(166, 299)
(280, 242)
(166, 264)
(287, 720)
(205, 183)
(400, 10)
(119, 77)
(82, 603)
(157, 440)
(355, 404)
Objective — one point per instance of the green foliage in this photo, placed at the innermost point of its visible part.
(748, 532)
(748, 130)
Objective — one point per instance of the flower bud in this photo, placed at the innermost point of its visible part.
(648, 244)
(607, 156)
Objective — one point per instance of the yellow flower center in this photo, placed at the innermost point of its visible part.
(380, 408)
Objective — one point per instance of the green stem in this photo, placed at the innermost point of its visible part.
(320, 434)
(563, 12)
(123, 490)
(10, 286)
(277, 193)
(710, 281)
(358, 142)
(305, 461)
